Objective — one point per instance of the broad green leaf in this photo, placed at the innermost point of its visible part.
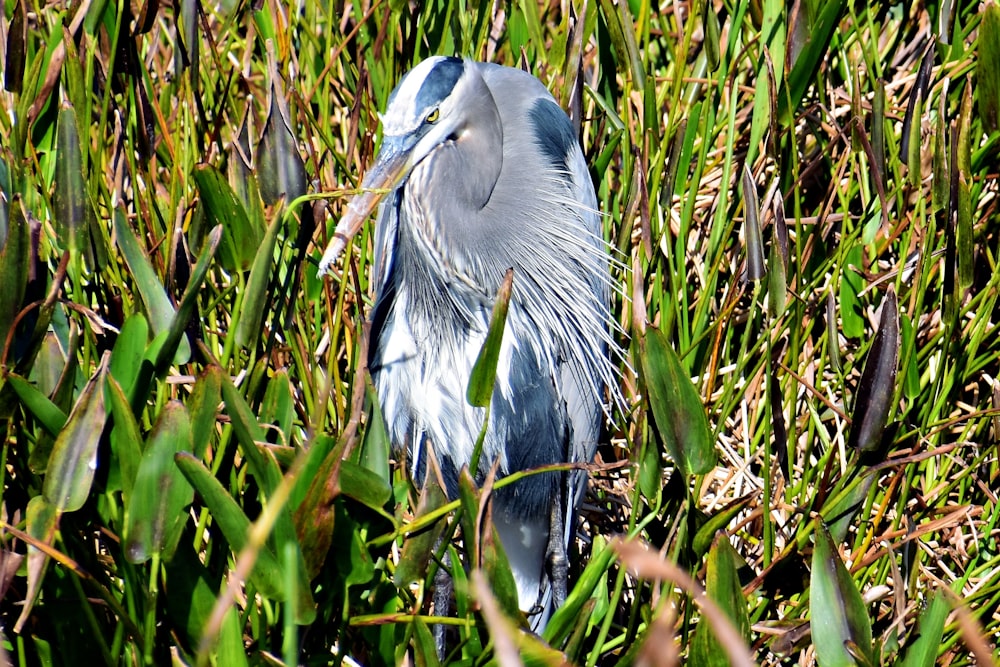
(280, 169)
(256, 297)
(536, 653)
(911, 376)
(877, 386)
(484, 548)
(814, 50)
(375, 448)
(926, 638)
(231, 650)
(17, 37)
(45, 411)
(154, 296)
(677, 409)
(49, 363)
(705, 535)
(988, 66)
(838, 616)
(156, 512)
(233, 523)
(128, 352)
(189, 303)
(363, 485)
(424, 646)
(351, 559)
(14, 260)
(751, 228)
(240, 240)
(69, 198)
(844, 503)
(249, 433)
(497, 568)
(723, 586)
(73, 460)
(278, 408)
(125, 438)
(965, 251)
(484, 372)
(851, 284)
(204, 407)
(193, 589)
(713, 40)
(651, 471)
(594, 574)
(268, 475)
(315, 515)
(418, 546)
(41, 522)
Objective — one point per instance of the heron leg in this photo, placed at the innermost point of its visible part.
(443, 589)
(555, 556)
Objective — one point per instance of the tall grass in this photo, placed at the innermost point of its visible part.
(805, 199)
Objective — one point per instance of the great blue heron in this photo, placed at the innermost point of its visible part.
(483, 172)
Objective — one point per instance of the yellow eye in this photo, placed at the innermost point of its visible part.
(433, 116)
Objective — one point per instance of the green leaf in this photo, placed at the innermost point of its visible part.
(877, 387)
(425, 648)
(41, 522)
(651, 471)
(189, 303)
(988, 66)
(363, 485)
(751, 227)
(923, 651)
(278, 408)
(128, 352)
(677, 409)
(69, 198)
(838, 617)
(851, 284)
(376, 448)
(844, 503)
(156, 512)
(249, 433)
(45, 411)
(807, 60)
(256, 297)
(280, 168)
(235, 526)
(587, 586)
(154, 296)
(419, 545)
(125, 438)
(73, 460)
(722, 584)
(484, 372)
(705, 536)
(193, 589)
(204, 406)
(15, 247)
(315, 515)
(240, 240)
(231, 650)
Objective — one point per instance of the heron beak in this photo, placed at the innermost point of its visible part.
(390, 168)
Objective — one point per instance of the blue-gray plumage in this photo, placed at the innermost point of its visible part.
(483, 172)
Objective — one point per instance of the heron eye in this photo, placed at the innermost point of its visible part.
(433, 116)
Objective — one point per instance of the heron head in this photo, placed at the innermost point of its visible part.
(436, 106)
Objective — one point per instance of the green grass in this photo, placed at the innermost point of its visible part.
(192, 468)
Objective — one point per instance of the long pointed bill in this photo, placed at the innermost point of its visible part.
(390, 168)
